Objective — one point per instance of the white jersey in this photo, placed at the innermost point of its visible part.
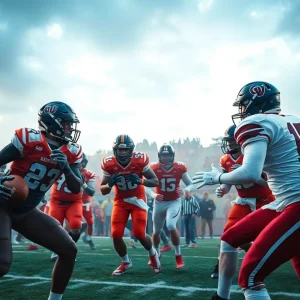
(282, 163)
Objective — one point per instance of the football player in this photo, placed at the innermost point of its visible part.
(167, 196)
(66, 205)
(41, 157)
(250, 196)
(270, 142)
(128, 172)
(89, 179)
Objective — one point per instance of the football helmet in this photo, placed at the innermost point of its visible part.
(229, 144)
(255, 98)
(55, 118)
(123, 147)
(166, 154)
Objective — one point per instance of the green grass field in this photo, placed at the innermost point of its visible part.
(30, 275)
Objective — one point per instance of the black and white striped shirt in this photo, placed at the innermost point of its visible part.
(189, 206)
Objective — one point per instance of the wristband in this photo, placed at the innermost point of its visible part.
(220, 178)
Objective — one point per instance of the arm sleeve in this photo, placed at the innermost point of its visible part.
(253, 163)
(8, 154)
(188, 182)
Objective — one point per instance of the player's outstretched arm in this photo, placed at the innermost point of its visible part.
(252, 167)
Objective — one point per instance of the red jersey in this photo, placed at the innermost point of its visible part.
(90, 178)
(250, 190)
(36, 165)
(138, 165)
(169, 181)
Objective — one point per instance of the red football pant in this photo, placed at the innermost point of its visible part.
(71, 212)
(275, 237)
(88, 216)
(119, 218)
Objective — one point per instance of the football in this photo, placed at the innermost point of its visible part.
(20, 189)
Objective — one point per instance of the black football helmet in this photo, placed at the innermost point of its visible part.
(166, 154)
(229, 144)
(84, 161)
(121, 143)
(52, 117)
(255, 98)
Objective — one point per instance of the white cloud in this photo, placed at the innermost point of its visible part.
(55, 31)
(90, 68)
(205, 5)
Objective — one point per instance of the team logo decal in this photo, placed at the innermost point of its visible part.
(257, 90)
(50, 109)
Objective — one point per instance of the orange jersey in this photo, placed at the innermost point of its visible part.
(250, 190)
(169, 181)
(36, 165)
(90, 177)
(138, 164)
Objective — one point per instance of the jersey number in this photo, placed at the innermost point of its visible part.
(123, 185)
(60, 182)
(294, 129)
(168, 184)
(37, 174)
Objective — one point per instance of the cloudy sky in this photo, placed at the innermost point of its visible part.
(150, 68)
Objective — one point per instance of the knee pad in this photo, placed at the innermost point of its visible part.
(225, 247)
(171, 226)
(116, 234)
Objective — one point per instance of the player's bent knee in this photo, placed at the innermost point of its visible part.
(225, 247)
(140, 235)
(117, 234)
(4, 268)
(171, 227)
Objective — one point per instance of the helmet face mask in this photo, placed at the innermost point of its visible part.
(123, 148)
(166, 155)
(59, 121)
(256, 98)
(229, 144)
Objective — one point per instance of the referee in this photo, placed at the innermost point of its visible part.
(189, 208)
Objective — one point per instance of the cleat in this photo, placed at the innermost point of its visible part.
(215, 273)
(155, 263)
(92, 245)
(54, 256)
(32, 247)
(192, 245)
(166, 248)
(131, 243)
(123, 267)
(179, 262)
(216, 297)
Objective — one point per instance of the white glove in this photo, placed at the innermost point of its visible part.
(219, 192)
(207, 178)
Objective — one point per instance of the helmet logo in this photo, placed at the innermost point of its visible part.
(50, 109)
(257, 90)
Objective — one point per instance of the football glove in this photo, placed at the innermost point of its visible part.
(5, 192)
(219, 192)
(61, 159)
(207, 178)
(114, 180)
(134, 179)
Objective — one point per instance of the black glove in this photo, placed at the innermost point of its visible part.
(5, 192)
(114, 179)
(134, 179)
(61, 160)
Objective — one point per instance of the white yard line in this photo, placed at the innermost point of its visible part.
(184, 291)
